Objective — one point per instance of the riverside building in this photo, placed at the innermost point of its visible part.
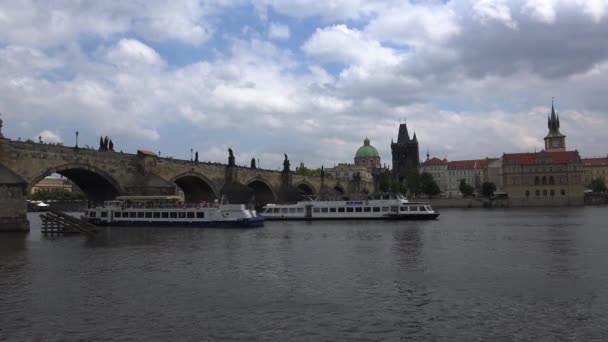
(552, 177)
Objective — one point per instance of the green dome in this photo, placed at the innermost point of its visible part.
(367, 151)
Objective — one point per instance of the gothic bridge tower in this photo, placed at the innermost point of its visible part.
(554, 141)
(405, 154)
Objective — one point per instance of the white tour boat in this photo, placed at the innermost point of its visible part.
(382, 206)
(169, 211)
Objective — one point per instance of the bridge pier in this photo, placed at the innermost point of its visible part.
(13, 205)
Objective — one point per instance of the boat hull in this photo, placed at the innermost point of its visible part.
(397, 217)
(245, 223)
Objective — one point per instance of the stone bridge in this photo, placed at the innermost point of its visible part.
(104, 175)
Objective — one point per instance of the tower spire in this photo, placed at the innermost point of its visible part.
(428, 155)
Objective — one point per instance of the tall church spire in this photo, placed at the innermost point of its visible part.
(555, 140)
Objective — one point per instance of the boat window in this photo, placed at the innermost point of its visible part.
(157, 215)
(104, 214)
(324, 210)
(277, 210)
(428, 208)
(358, 209)
(269, 210)
(349, 209)
(385, 209)
(367, 209)
(132, 214)
(165, 214)
(140, 214)
(341, 209)
(149, 214)
(92, 214)
(315, 210)
(376, 209)
(181, 214)
(300, 210)
(173, 214)
(284, 210)
(292, 210)
(332, 210)
(190, 214)
(394, 209)
(200, 214)
(414, 208)
(117, 214)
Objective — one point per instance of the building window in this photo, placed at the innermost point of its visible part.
(544, 180)
(536, 181)
(537, 193)
(552, 192)
(551, 180)
(563, 192)
(545, 193)
(527, 193)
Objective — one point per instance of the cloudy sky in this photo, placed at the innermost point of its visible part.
(306, 77)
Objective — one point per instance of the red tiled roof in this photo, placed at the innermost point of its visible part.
(530, 158)
(467, 164)
(595, 162)
(435, 162)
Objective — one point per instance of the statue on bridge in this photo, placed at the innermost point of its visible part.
(196, 157)
(101, 143)
(253, 166)
(230, 157)
(111, 146)
(286, 164)
(1, 136)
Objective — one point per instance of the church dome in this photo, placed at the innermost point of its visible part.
(367, 151)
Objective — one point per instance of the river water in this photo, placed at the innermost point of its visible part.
(472, 275)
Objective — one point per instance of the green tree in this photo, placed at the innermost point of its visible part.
(465, 189)
(428, 185)
(303, 170)
(598, 185)
(488, 189)
(384, 182)
(58, 195)
(413, 181)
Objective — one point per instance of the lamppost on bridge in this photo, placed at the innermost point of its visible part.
(76, 139)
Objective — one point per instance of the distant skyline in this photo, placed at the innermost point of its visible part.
(308, 78)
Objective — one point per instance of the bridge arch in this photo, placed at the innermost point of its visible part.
(306, 187)
(262, 191)
(97, 184)
(196, 187)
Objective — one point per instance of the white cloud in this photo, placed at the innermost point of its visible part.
(414, 24)
(340, 44)
(469, 84)
(278, 31)
(498, 10)
(50, 137)
(130, 52)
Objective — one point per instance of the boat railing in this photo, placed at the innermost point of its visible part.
(180, 205)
